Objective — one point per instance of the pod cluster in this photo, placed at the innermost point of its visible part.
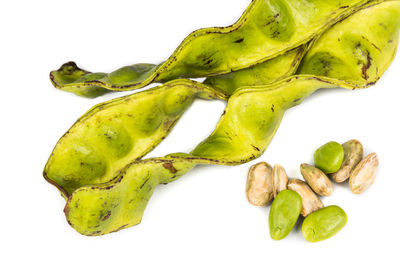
(295, 196)
(277, 53)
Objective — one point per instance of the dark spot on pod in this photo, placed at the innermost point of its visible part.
(383, 26)
(273, 108)
(239, 40)
(319, 79)
(366, 66)
(144, 183)
(256, 148)
(120, 228)
(169, 166)
(95, 232)
(374, 45)
(268, 23)
(106, 216)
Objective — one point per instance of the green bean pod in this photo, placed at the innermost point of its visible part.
(248, 124)
(356, 50)
(267, 29)
(113, 134)
(120, 203)
(242, 134)
(260, 74)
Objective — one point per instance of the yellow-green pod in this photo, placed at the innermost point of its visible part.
(356, 50)
(260, 74)
(98, 209)
(249, 122)
(120, 203)
(324, 223)
(267, 29)
(285, 211)
(115, 133)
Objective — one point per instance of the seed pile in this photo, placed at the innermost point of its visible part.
(297, 197)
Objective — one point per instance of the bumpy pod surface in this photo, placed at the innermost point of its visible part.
(268, 28)
(239, 137)
(356, 50)
(260, 74)
(117, 132)
(120, 203)
(248, 124)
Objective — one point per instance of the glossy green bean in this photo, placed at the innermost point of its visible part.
(285, 211)
(324, 223)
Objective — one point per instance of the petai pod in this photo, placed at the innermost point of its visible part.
(260, 74)
(120, 203)
(242, 134)
(268, 28)
(117, 132)
(239, 137)
(355, 50)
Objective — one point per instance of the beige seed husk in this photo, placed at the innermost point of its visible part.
(353, 154)
(259, 186)
(310, 201)
(364, 174)
(280, 179)
(316, 179)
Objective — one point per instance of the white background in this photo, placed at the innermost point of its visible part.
(203, 219)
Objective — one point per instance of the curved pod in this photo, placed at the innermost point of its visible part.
(268, 28)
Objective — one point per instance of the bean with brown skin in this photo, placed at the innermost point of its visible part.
(353, 154)
(280, 179)
(364, 174)
(317, 180)
(310, 201)
(259, 186)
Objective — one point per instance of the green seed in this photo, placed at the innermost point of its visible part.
(324, 223)
(285, 211)
(329, 157)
